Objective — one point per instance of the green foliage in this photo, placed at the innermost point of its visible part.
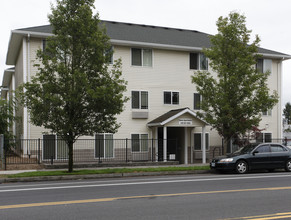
(6, 120)
(75, 92)
(287, 112)
(107, 171)
(234, 98)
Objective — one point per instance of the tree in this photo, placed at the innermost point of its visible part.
(74, 92)
(7, 118)
(287, 112)
(234, 98)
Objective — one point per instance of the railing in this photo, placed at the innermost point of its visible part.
(53, 150)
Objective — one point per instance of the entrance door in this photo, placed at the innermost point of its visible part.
(174, 143)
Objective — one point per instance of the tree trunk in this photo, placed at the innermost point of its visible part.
(70, 145)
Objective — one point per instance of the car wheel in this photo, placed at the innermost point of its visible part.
(241, 167)
(288, 166)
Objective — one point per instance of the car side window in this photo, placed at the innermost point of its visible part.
(263, 149)
(277, 148)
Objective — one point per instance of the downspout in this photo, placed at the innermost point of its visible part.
(14, 111)
(24, 120)
(28, 79)
(279, 88)
(24, 81)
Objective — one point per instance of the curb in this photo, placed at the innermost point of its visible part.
(98, 176)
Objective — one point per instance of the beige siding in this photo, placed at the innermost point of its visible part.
(170, 72)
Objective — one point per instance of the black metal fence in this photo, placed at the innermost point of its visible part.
(52, 150)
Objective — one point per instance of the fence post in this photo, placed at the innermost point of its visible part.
(152, 150)
(126, 150)
(39, 151)
(2, 150)
(99, 156)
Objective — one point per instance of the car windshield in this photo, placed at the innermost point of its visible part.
(246, 149)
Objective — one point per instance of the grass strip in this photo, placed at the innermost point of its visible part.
(104, 171)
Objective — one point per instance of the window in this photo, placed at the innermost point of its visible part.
(44, 45)
(139, 142)
(139, 99)
(263, 149)
(264, 138)
(109, 55)
(264, 65)
(141, 57)
(171, 97)
(267, 113)
(198, 141)
(104, 145)
(54, 147)
(198, 61)
(197, 101)
(277, 148)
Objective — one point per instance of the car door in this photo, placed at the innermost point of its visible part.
(260, 158)
(278, 156)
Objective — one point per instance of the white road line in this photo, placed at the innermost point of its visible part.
(145, 182)
(132, 179)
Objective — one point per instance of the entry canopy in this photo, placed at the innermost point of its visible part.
(183, 117)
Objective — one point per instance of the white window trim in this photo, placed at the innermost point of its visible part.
(139, 109)
(104, 157)
(199, 66)
(142, 65)
(171, 97)
(139, 137)
(201, 140)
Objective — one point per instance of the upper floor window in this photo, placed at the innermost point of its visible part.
(44, 44)
(198, 61)
(171, 97)
(141, 57)
(109, 55)
(264, 65)
(267, 113)
(197, 101)
(139, 99)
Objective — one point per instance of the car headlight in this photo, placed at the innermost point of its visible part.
(226, 160)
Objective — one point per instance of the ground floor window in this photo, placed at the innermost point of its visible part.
(104, 147)
(264, 138)
(198, 141)
(54, 147)
(139, 142)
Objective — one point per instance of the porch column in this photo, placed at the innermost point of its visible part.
(186, 146)
(165, 144)
(203, 145)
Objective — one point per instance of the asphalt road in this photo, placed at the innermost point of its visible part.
(211, 196)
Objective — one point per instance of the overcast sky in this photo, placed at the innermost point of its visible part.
(270, 19)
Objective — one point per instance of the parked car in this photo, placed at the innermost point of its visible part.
(267, 156)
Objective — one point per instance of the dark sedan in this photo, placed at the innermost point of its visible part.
(268, 156)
